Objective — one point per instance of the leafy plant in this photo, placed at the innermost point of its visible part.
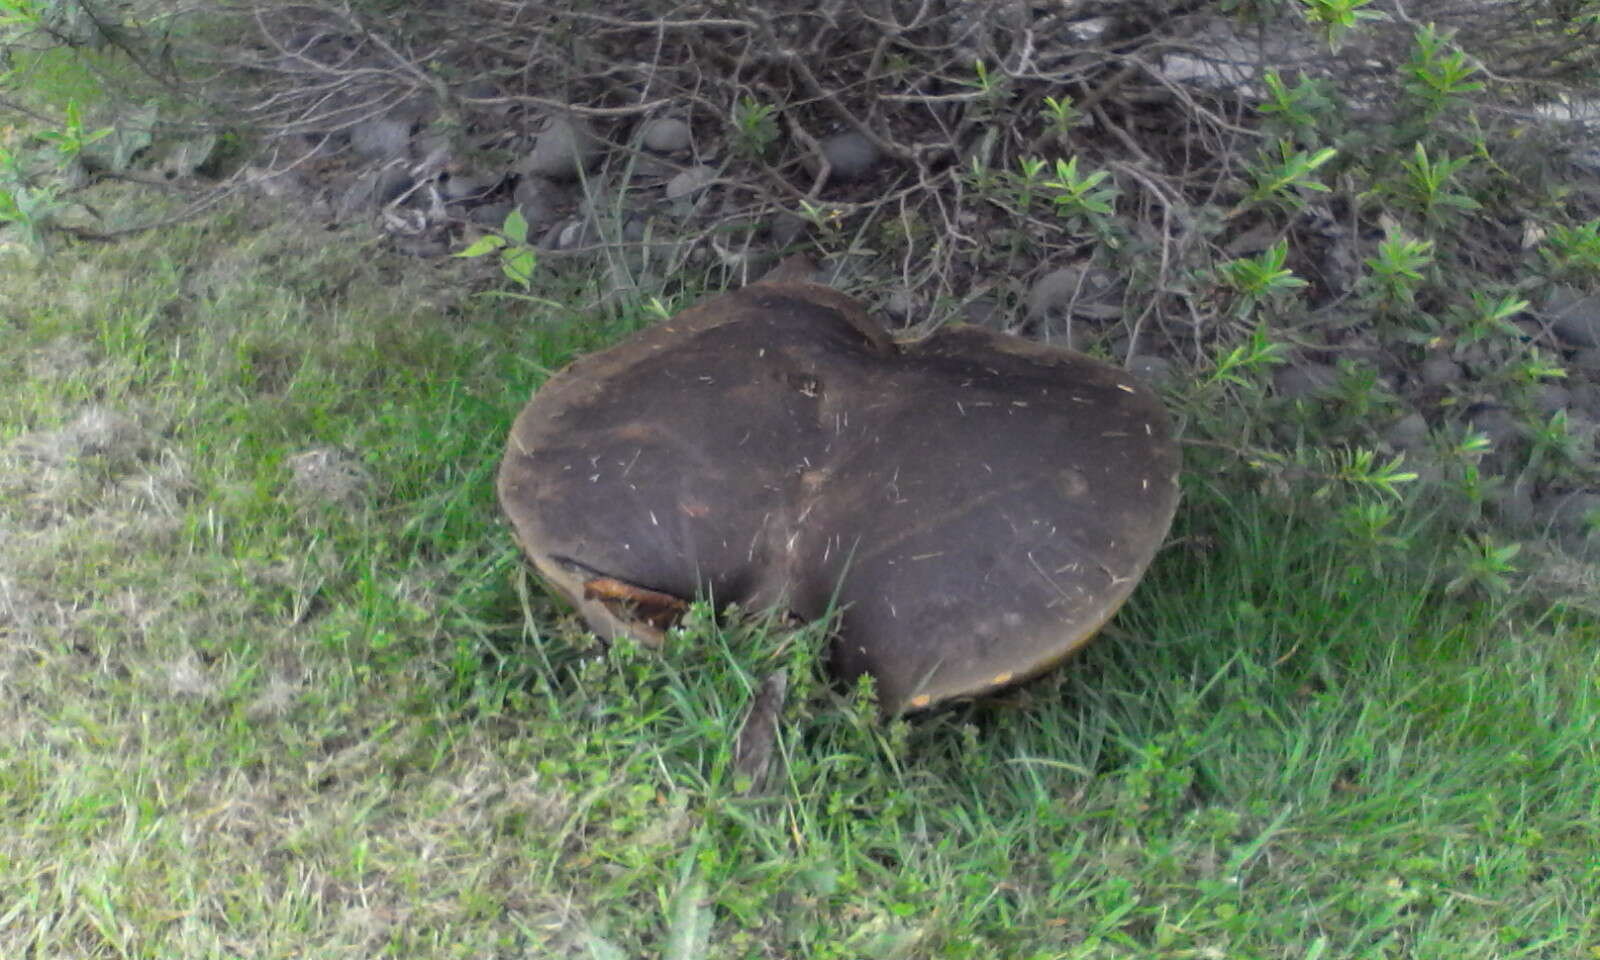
(1079, 197)
(1029, 182)
(1481, 562)
(1438, 74)
(1259, 279)
(1296, 110)
(1427, 186)
(755, 127)
(70, 140)
(1486, 318)
(23, 201)
(1336, 18)
(1397, 269)
(827, 219)
(518, 259)
(1554, 448)
(1572, 253)
(1359, 469)
(1367, 525)
(1283, 180)
(1060, 116)
(1242, 364)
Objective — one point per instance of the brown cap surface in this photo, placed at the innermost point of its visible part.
(978, 505)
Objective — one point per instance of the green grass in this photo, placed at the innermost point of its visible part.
(236, 722)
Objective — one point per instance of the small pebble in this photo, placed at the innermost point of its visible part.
(667, 135)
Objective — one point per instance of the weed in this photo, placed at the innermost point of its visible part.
(518, 258)
(1438, 75)
(1283, 180)
(755, 128)
(1259, 280)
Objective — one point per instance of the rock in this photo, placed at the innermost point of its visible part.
(381, 138)
(1307, 380)
(1577, 512)
(563, 150)
(540, 201)
(1439, 370)
(435, 147)
(372, 189)
(1587, 360)
(1155, 371)
(1512, 504)
(423, 246)
(577, 233)
(690, 181)
(1500, 426)
(850, 155)
(983, 311)
(1586, 398)
(1054, 292)
(1574, 318)
(1410, 432)
(466, 186)
(787, 229)
(1550, 398)
(1584, 431)
(1074, 291)
(492, 215)
(284, 185)
(647, 167)
(667, 135)
(899, 306)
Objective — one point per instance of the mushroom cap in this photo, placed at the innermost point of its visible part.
(976, 505)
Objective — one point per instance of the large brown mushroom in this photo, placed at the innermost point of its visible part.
(975, 504)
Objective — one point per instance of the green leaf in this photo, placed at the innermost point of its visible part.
(517, 264)
(488, 243)
(516, 227)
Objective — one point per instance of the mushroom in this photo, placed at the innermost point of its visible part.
(974, 505)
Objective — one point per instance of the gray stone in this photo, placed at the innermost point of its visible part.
(850, 154)
(1587, 359)
(1438, 370)
(1498, 424)
(899, 306)
(381, 138)
(983, 311)
(1305, 381)
(1054, 292)
(563, 150)
(1572, 514)
(540, 201)
(690, 181)
(1550, 398)
(1585, 432)
(599, 202)
(371, 189)
(577, 233)
(1152, 370)
(1585, 399)
(1074, 291)
(1410, 432)
(466, 186)
(1512, 504)
(1575, 318)
(787, 229)
(647, 167)
(491, 215)
(667, 135)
